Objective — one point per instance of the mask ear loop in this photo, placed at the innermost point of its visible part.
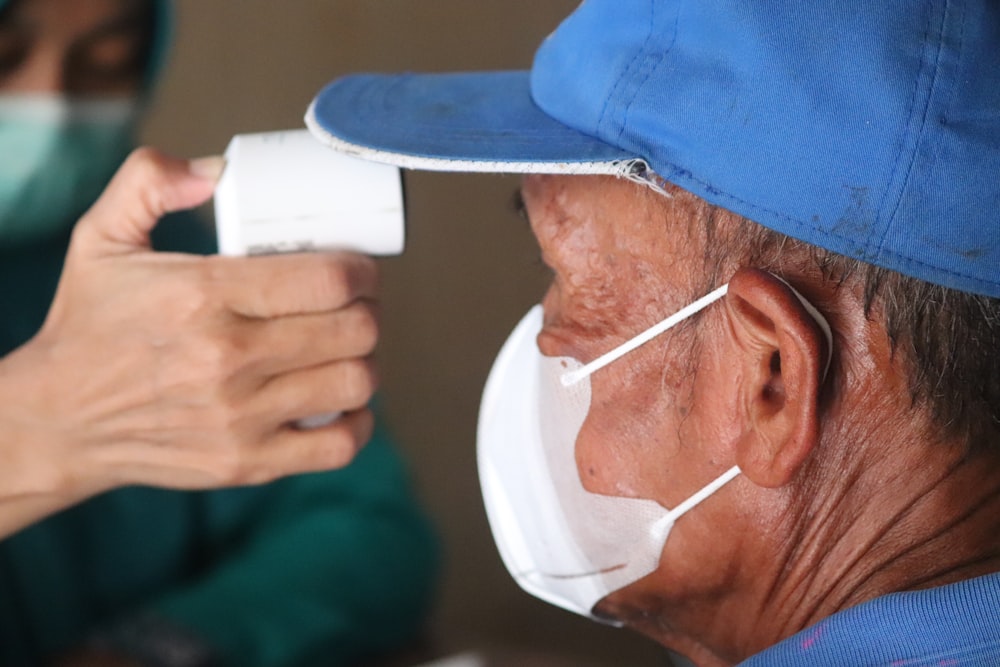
(824, 325)
(662, 526)
(572, 377)
(698, 496)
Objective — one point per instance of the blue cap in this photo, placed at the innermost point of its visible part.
(871, 129)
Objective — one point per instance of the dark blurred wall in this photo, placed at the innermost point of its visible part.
(469, 272)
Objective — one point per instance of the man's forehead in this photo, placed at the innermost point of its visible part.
(616, 230)
(662, 205)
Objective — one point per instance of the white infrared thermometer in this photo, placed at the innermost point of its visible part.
(287, 192)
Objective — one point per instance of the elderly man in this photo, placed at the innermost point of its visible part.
(805, 471)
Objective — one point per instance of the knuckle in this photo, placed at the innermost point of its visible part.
(364, 326)
(188, 301)
(180, 298)
(342, 446)
(144, 163)
(218, 347)
(216, 268)
(227, 422)
(343, 455)
(365, 427)
(362, 425)
(234, 461)
(214, 361)
(335, 283)
(142, 155)
(365, 276)
(229, 466)
(359, 382)
(252, 475)
(344, 274)
(226, 419)
(211, 275)
(204, 367)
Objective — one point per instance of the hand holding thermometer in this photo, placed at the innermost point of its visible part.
(286, 192)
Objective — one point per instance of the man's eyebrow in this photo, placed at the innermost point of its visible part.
(517, 205)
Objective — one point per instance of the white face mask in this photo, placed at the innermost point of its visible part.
(560, 542)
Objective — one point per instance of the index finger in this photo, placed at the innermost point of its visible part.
(294, 284)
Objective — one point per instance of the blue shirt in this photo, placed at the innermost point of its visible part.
(949, 626)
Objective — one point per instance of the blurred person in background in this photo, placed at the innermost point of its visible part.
(116, 380)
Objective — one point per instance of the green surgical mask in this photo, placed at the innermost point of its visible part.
(56, 155)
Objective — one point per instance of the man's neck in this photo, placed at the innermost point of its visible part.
(900, 525)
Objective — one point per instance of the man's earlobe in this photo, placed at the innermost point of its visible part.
(782, 345)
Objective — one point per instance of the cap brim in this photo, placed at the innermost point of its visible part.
(483, 122)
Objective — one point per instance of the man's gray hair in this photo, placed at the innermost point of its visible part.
(948, 341)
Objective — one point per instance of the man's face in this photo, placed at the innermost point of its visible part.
(624, 258)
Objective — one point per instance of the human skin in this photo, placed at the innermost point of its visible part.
(86, 47)
(846, 493)
(160, 369)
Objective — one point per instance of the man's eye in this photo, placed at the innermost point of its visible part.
(518, 207)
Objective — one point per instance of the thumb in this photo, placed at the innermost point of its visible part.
(148, 185)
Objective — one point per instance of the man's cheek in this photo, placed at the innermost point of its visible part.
(609, 453)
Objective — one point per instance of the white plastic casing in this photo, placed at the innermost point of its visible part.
(286, 192)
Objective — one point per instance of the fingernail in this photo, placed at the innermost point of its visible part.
(209, 168)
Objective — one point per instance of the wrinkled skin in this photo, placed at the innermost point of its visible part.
(843, 494)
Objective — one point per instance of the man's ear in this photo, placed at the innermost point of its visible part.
(781, 349)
